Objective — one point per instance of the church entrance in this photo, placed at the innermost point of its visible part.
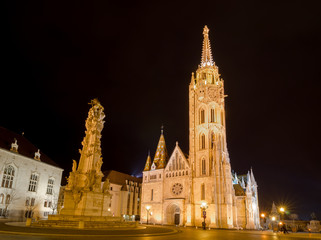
(176, 222)
(173, 214)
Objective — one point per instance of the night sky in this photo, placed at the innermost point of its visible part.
(137, 57)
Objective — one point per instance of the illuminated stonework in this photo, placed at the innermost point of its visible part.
(205, 175)
(85, 195)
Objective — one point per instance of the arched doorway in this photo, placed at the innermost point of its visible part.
(173, 214)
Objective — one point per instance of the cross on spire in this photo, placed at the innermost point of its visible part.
(207, 59)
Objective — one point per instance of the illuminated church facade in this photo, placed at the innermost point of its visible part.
(176, 187)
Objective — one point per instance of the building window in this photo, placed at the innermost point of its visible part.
(27, 201)
(1, 198)
(203, 167)
(212, 115)
(8, 199)
(50, 186)
(222, 118)
(45, 214)
(212, 140)
(152, 195)
(202, 116)
(45, 204)
(49, 204)
(202, 141)
(203, 191)
(8, 175)
(32, 202)
(33, 182)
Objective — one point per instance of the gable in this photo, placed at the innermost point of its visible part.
(177, 164)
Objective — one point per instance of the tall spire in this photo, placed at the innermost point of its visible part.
(161, 156)
(148, 162)
(207, 59)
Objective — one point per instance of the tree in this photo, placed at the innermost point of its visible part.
(10, 196)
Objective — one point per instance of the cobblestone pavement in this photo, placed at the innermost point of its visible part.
(151, 232)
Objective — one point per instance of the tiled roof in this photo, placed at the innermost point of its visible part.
(25, 147)
(239, 191)
(119, 178)
(161, 155)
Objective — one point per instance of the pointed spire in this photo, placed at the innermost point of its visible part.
(207, 59)
(148, 162)
(252, 176)
(161, 155)
(273, 210)
(242, 183)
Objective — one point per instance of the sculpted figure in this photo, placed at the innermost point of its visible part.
(74, 165)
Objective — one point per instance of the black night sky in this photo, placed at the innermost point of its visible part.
(137, 57)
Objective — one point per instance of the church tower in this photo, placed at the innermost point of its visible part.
(212, 180)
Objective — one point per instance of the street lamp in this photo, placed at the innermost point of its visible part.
(147, 209)
(282, 210)
(204, 207)
(263, 219)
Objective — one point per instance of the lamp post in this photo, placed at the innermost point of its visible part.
(204, 207)
(147, 209)
(282, 210)
(264, 219)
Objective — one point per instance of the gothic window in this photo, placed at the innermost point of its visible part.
(45, 204)
(203, 167)
(170, 167)
(1, 198)
(212, 140)
(8, 175)
(166, 175)
(212, 115)
(180, 163)
(152, 195)
(27, 201)
(50, 186)
(222, 118)
(183, 165)
(203, 191)
(33, 182)
(32, 202)
(8, 199)
(202, 141)
(202, 116)
(186, 172)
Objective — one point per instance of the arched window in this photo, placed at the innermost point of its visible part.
(203, 167)
(8, 175)
(212, 140)
(203, 191)
(8, 199)
(180, 163)
(202, 140)
(222, 118)
(27, 201)
(202, 116)
(213, 115)
(1, 198)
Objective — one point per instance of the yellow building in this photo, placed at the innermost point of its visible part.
(182, 190)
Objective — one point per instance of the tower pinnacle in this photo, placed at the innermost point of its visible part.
(207, 59)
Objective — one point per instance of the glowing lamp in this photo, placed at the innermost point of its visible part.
(262, 215)
(273, 218)
(282, 209)
(147, 208)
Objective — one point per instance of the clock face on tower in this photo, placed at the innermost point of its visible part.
(177, 188)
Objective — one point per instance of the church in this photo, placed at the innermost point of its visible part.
(186, 190)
